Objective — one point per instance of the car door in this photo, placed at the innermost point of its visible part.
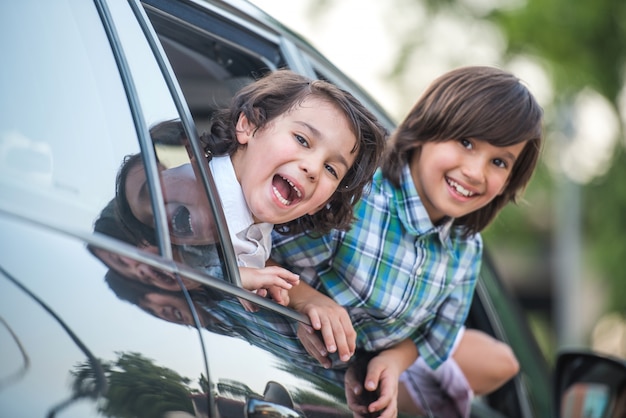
(256, 363)
(80, 86)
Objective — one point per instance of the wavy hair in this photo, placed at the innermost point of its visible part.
(279, 92)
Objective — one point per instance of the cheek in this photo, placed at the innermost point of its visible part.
(323, 195)
(499, 184)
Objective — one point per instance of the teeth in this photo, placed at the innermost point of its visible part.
(293, 186)
(460, 189)
(281, 198)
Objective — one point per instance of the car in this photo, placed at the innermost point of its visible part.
(101, 317)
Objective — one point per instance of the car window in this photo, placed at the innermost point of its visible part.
(58, 164)
(67, 329)
(211, 57)
(209, 70)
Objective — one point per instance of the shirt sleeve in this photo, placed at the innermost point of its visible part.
(304, 254)
(436, 340)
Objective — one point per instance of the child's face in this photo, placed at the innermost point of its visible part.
(293, 165)
(167, 307)
(457, 177)
(188, 211)
(141, 272)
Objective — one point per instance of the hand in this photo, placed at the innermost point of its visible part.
(313, 344)
(330, 318)
(377, 393)
(357, 402)
(273, 281)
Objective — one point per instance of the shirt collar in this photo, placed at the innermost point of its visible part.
(233, 200)
(413, 214)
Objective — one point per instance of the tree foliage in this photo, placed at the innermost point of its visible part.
(138, 388)
(581, 45)
(583, 42)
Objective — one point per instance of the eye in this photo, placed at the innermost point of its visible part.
(121, 261)
(500, 163)
(332, 171)
(302, 140)
(466, 143)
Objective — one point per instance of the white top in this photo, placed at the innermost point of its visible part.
(252, 242)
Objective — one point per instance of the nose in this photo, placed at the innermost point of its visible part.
(474, 170)
(311, 167)
(143, 271)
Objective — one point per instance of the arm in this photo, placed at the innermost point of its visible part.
(307, 255)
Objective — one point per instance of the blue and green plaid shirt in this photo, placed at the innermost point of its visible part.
(398, 275)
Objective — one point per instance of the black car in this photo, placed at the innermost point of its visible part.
(84, 84)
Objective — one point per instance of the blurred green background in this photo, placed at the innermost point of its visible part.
(562, 251)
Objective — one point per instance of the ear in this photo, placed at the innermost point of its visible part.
(244, 129)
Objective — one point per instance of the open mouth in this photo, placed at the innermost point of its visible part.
(459, 189)
(181, 222)
(285, 191)
(163, 278)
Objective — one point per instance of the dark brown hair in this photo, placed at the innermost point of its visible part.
(482, 103)
(279, 92)
(138, 232)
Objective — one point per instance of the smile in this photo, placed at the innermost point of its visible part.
(181, 222)
(459, 189)
(285, 191)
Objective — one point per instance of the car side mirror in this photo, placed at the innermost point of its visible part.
(589, 385)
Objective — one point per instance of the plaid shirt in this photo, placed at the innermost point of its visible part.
(397, 274)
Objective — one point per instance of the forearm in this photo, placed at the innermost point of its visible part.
(301, 294)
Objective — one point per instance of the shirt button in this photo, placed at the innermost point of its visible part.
(419, 271)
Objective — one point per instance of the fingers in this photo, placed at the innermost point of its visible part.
(379, 378)
(350, 337)
(278, 295)
(343, 336)
(336, 328)
(354, 389)
(273, 281)
(254, 279)
(313, 345)
(279, 276)
(386, 400)
(286, 275)
(248, 306)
